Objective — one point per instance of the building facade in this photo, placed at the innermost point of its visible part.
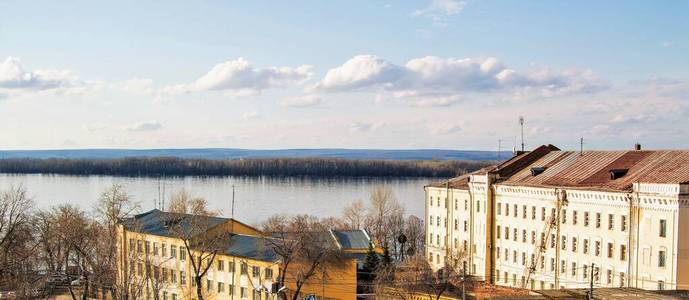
(155, 263)
(550, 219)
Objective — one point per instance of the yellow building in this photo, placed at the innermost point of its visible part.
(153, 259)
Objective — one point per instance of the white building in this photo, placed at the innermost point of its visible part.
(624, 212)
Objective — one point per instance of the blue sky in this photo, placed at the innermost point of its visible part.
(367, 74)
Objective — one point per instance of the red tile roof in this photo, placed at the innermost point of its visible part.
(590, 169)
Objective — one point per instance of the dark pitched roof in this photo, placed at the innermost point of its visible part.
(252, 247)
(157, 222)
(352, 239)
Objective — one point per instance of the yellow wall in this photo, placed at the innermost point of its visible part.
(339, 283)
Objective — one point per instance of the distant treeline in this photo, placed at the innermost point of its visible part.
(171, 166)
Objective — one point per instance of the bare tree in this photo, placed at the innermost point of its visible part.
(16, 240)
(302, 243)
(354, 214)
(383, 205)
(192, 222)
(415, 232)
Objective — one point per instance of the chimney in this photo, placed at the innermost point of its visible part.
(637, 146)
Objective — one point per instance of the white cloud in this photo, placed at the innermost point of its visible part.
(93, 127)
(145, 126)
(439, 10)
(250, 115)
(361, 71)
(16, 81)
(139, 86)
(239, 78)
(303, 101)
(365, 126)
(441, 81)
(446, 129)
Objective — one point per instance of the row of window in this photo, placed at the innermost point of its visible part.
(145, 247)
(621, 276)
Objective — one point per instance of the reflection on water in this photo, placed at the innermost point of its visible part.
(256, 197)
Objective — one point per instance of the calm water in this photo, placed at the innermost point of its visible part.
(256, 197)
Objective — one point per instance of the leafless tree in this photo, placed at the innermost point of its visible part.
(415, 232)
(354, 214)
(192, 222)
(383, 205)
(305, 250)
(16, 240)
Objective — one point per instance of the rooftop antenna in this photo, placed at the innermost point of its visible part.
(521, 124)
(581, 146)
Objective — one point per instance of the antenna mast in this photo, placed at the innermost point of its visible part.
(521, 124)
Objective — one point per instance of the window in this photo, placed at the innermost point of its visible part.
(182, 278)
(456, 224)
(542, 213)
(507, 209)
(499, 229)
(623, 223)
(552, 264)
(164, 295)
(597, 248)
(230, 289)
(514, 256)
(514, 236)
(523, 211)
(242, 292)
(515, 210)
(478, 206)
(499, 208)
(174, 296)
(139, 246)
(209, 284)
(437, 221)
(269, 274)
(663, 228)
(163, 250)
(524, 236)
(255, 271)
(431, 201)
(586, 246)
(574, 269)
(155, 249)
(623, 252)
(597, 220)
(523, 258)
(148, 247)
(507, 253)
(456, 204)
(173, 251)
(574, 244)
(437, 239)
(173, 276)
(221, 287)
(586, 218)
(564, 216)
(610, 250)
(622, 279)
(507, 233)
(431, 220)
(466, 225)
(563, 266)
(552, 240)
(533, 237)
(585, 270)
(445, 224)
(244, 268)
(609, 276)
(661, 285)
(182, 253)
(596, 274)
(661, 259)
(230, 266)
(221, 265)
(564, 243)
(611, 221)
(533, 213)
(466, 205)
(497, 252)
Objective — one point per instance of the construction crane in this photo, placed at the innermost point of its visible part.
(541, 245)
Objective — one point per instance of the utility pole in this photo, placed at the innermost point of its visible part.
(590, 293)
(521, 124)
(464, 279)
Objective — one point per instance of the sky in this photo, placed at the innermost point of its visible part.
(444, 74)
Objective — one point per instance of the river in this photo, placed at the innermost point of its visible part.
(256, 198)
